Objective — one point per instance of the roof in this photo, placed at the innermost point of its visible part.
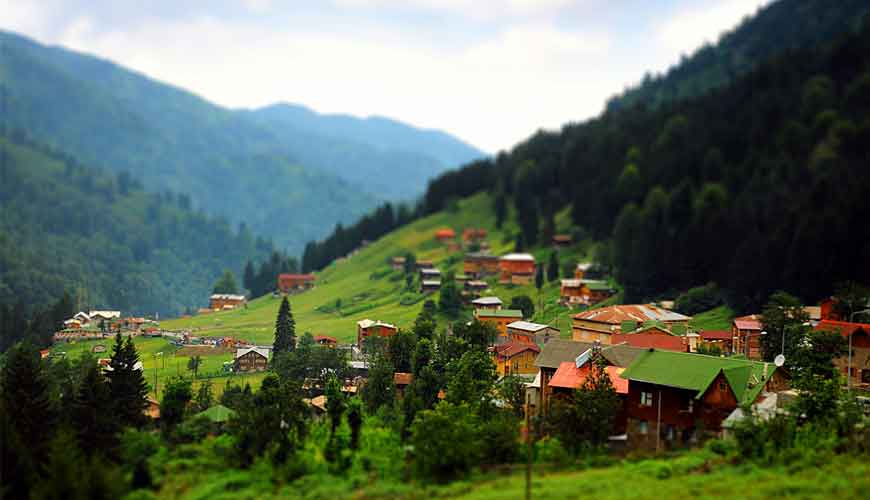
(518, 257)
(562, 237)
(844, 327)
(527, 326)
(431, 282)
(569, 376)
(398, 260)
(302, 277)
(615, 315)
(751, 322)
(217, 413)
(445, 232)
(621, 354)
(367, 323)
(500, 313)
(480, 256)
(647, 340)
(318, 402)
(695, 372)
(572, 283)
(583, 266)
(557, 351)
(477, 284)
(814, 312)
(105, 314)
(262, 351)
(401, 378)
(487, 301)
(511, 349)
(226, 296)
(326, 338)
(716, 334)
(429, 270)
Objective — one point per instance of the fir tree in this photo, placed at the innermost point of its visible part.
(335, 403)
(553, 266)
(26, 416)
(249, 278)
(127, 383)
(92, 415)
(285, 329)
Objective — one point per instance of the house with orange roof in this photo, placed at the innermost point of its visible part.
(445, 235)
(855, 365)
(517, 268)
(746, 336)
(600, 324)
(515, 358)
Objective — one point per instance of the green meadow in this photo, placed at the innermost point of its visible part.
(162, 360)
(364, 285)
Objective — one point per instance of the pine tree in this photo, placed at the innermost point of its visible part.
(335, 403)
(553, 266)
(26, 419)
(92, 416)
(127, 383)
(285, 329)
(249, 279)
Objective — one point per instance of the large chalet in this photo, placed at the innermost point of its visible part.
(600, 324)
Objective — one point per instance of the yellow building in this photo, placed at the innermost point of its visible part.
(516, 358)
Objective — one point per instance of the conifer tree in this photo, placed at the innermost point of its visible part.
(26, 416)
(553, 266)
(92, 416)
(285, 329)
(127, 383)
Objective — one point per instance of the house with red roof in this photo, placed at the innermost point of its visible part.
(746, 336)
(325, 340)
(570, 377)
(857, 358)
(289, 283)
(718, 338)
(515, 358)
(601, 324)
(445, 235)
(655, 336)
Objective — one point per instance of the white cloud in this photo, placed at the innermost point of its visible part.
(689, 30)
(475, 9)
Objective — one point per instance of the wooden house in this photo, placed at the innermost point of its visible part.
(600, 324)
(445, 235)
(251, 359)
(221, 301)
(397, 263)
(515, 358)
(476, 286)
(499, 317)
(654, 336)
(430, 273)
(486, 303)
(424, 264)
(571, 375)
(473, 235)
(401, 381)
(574, 292)
(517, 268)
(582, 269)
(367, 328)
(719, 338)
(530, 333)
(859, 334)
(325, 340)
(480, 264)
(430, 286)
(671, 394)
(289, 283)
(746, 336)
(562, 240)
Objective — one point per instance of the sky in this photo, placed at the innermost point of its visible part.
(488, 71)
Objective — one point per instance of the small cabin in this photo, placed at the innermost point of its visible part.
(251, 359)
(445, 235)
(430, 286)
(367, 328)
(479, 264)
(289, 283)
(517, 268)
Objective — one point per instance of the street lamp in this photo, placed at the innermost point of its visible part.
(849, 369)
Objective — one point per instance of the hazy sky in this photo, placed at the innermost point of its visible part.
(489, 71)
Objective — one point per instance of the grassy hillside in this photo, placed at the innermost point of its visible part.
(368, 288)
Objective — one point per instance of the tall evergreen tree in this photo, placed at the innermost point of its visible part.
(285, 329)
(127, 383)
(93, 417)
(248, 279)
(553, 266)
(26, 419)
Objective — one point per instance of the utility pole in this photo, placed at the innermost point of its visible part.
(528, 451)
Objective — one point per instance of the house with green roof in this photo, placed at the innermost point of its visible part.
(674, 395)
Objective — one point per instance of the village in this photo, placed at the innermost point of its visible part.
(677, 385)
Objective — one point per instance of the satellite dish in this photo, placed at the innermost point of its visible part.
(779, 360)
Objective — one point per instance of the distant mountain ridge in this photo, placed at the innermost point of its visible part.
(290, 180)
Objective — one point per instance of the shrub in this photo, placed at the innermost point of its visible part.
(699, 299)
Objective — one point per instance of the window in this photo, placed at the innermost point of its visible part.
(723, 385)
(642, 427)
(865, 376)
(646, 399)
(669, 432)
(689, 405)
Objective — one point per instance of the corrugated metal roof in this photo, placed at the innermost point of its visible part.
(615, 315)
(518, 257)
(527, 326)
(487, 301)
(557, 351)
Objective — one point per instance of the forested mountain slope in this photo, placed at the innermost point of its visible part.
(100, 236)
(289, 184)
(759, 185)
(779, 26)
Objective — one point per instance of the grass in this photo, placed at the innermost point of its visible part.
(367, 288)
(161, 361)
(719, 318)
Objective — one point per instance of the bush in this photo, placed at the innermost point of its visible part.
(445, 441)
(550, 451)
(699, 299)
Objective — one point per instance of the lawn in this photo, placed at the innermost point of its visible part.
(367, 288)
(161, 361)
(719, 318)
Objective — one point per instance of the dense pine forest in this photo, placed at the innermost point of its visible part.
(756, 185)
(103, 240)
